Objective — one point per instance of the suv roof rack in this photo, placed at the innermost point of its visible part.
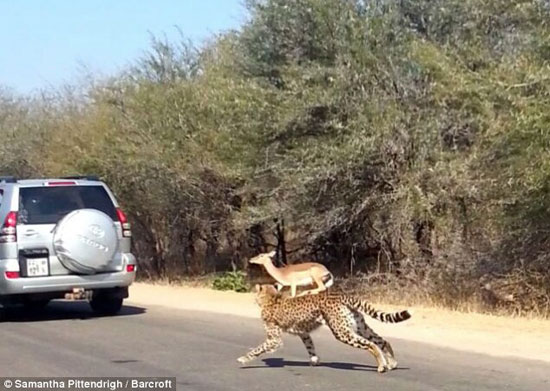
(8, 179)
(86, 177)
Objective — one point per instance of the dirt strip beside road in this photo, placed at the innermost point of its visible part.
(487, 334)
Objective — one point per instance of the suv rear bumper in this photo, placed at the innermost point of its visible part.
(65, 283)
(26, 298)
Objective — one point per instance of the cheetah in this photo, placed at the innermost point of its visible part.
(342, 313)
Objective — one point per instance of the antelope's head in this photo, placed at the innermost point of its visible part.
(263, 258)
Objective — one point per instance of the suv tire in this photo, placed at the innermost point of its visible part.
(106, 305)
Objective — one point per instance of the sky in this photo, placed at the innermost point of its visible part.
(47, 43)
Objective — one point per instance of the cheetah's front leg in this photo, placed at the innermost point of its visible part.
(271, 344)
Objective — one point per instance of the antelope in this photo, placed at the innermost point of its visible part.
(300, 274)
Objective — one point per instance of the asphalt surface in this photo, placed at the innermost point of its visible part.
(200, 349)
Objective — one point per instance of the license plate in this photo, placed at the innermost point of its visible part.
(37, 267)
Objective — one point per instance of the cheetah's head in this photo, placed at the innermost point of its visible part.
(266, 289)
(265, 292)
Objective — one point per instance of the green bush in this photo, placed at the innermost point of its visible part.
(231, 281)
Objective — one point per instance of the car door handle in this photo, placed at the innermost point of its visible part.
(31, 232)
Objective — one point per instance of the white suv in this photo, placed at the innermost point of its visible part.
(63, 238)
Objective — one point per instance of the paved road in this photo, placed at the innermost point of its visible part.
(200, 350)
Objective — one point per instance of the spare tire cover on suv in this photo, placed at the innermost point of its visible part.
(85, 241)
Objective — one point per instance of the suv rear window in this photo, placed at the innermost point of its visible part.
(47, 205)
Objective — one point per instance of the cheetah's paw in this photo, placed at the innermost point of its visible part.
(314, 361)
(243, 359)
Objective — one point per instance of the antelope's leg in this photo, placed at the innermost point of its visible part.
(320, 287)
(293, 289)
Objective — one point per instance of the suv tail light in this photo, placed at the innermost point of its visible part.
(8, 232)
(126, 232)
(12, 275)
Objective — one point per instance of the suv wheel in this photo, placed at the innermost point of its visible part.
(106, 305)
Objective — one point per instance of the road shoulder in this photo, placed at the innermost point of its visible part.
(486, 334)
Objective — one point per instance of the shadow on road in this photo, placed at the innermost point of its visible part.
(281, 363)
(131, 361)
(62, 310)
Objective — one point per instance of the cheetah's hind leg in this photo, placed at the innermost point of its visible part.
(310, 347)
(366, 332)
(345, 333)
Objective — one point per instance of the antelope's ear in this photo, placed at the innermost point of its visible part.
(272, 254)
(257, 288)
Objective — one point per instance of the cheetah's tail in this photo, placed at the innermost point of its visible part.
(388, 317)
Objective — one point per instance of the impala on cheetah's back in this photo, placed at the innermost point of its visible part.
(342, 313)
(299, 274)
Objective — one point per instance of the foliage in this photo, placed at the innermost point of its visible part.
(407, 137)
(231, 281)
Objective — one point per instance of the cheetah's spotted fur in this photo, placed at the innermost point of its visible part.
(342, 313)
